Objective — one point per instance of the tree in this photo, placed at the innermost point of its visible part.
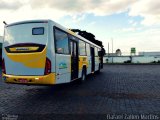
(91, 37)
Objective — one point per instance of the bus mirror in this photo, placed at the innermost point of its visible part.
(99, 53)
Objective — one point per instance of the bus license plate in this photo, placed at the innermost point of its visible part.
(23, 80)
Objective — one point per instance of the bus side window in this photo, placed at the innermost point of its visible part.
(88, 49)
(82, 48)
(61, 42)
(96, 52)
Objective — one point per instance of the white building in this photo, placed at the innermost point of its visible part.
(143, 57)
(116, 59)
(1, 39)
(155, 54)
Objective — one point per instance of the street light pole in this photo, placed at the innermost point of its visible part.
(108, 49)
(112, 49)
(112, 45)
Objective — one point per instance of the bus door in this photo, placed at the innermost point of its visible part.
(74, 59)
(92, 59)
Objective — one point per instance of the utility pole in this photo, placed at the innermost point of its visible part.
(112, 45)
(112, 49)
(108, 49)
(108, 54)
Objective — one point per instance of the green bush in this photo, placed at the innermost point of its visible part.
(128, 61)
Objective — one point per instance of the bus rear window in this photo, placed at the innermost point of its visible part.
(38, 31)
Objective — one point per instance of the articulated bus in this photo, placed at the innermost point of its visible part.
(42, 52)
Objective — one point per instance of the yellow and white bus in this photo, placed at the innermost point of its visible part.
(43, 52)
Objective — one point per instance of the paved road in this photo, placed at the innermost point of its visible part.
(118, 90)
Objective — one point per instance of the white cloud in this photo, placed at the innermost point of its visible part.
(9, 5)
(78, 17)
(128, 30)
(148, 9)
(97, 7)
(14, 10)
(108, 7)
(17, 10)
(144, 39)
(131, 29)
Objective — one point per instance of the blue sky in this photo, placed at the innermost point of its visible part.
(130, 23)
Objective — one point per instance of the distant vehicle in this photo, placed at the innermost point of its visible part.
(44, 52)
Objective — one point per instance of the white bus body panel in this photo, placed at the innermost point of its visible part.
(17, 68)
(63, 68)
(89, 65)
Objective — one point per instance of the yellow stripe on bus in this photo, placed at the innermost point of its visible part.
(83, 60)
(31, 60)
(46, 79)
(71, 32)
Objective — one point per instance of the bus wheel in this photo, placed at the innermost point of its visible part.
(83, 78)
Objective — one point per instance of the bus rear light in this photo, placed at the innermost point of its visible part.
(3, 67)
(47, 67)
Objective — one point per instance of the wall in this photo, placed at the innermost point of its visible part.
(1, 38)
(143, 59)
(157, 59)
(133, 59)
(149, 53)
(118, 59)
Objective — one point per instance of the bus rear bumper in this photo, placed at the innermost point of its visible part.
(49, 79)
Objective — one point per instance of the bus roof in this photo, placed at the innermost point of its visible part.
(56, 24)
(27, 21)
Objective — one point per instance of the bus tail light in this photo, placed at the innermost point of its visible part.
(3, 67)
(47, 67)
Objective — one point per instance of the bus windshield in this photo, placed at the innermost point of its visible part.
(26, 33)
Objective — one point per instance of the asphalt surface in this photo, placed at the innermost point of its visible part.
(118, 91)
